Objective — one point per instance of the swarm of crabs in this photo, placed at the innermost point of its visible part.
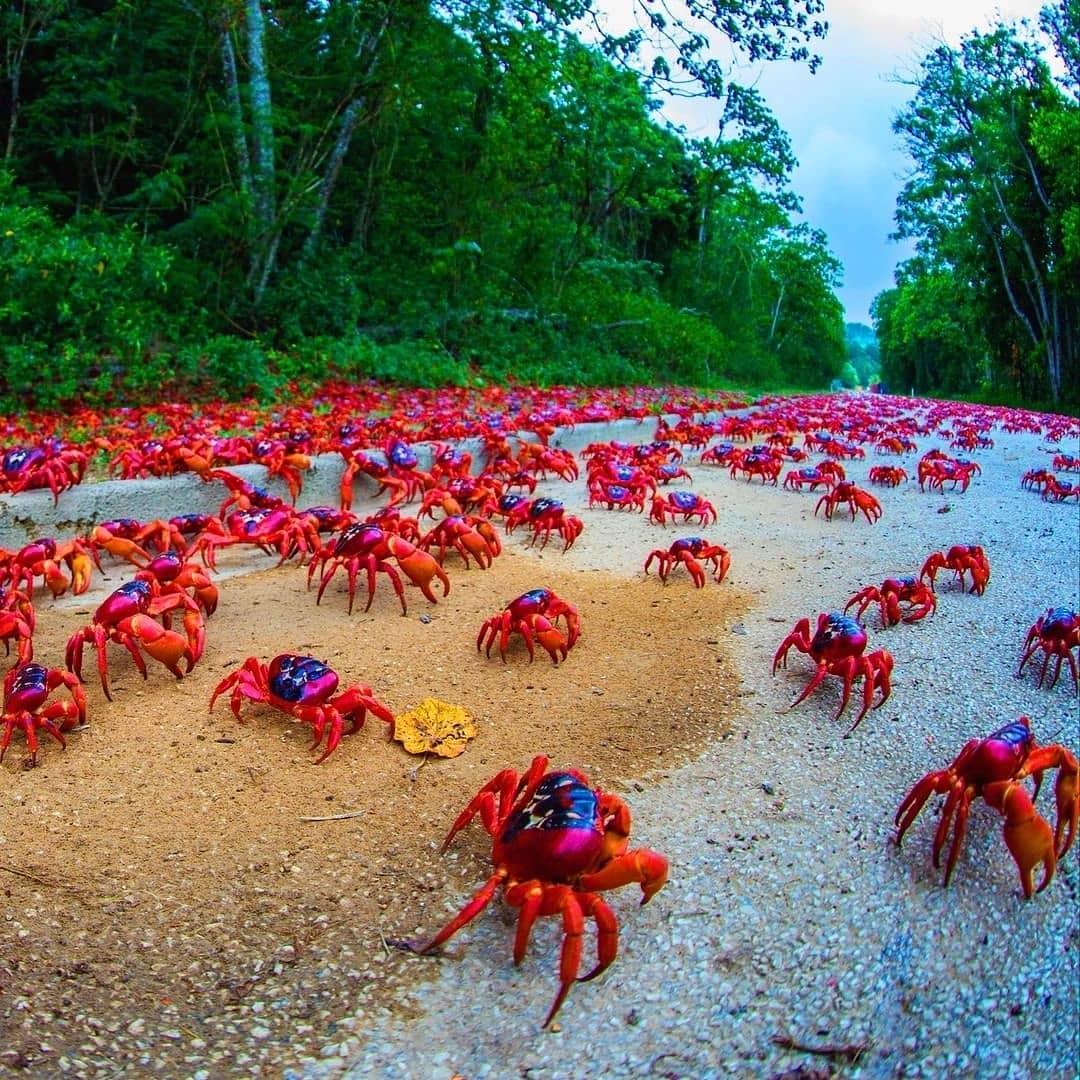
(440, 510)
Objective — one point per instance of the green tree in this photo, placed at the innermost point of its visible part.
(467, 177)
(992, 197)
(929, 334)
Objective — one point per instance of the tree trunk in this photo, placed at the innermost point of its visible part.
(32, 18)
(262, 153)
(367, 58)
(236, 110)
(333, 168)
(776, 312)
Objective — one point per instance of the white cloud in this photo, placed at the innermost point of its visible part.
(840, 121)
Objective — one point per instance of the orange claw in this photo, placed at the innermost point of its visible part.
(1027, 835)
(549, 636)
(648, 868)
(166, 646)
(418, 566)
(1066, 791)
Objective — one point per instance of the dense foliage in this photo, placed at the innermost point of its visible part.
(990, 303)
(198, 194)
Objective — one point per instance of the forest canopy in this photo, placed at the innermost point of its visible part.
(197, 195)
(990, 302)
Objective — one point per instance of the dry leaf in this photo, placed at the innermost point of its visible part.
(435, 727)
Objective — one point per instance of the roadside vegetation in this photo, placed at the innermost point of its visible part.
(207, 200)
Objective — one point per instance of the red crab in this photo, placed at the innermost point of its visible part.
(284, 460)
(606, 470)
(545, 516)
(687, 552)
(1066, 462)
(137, 615)
(244, 496)
(170, 573)
(467, 535)
(47, 558)
(856, 498)
(936, 472)
(1037, 479)
(533, 615)
(368, 548)
(305, 688)
(896, 444)
(27, 688)
(17, 619)
(540, 460)
(837, 648)
(812, 478)
(684, 504)
(1056, 491)
(721, 454)
(1057, 633)
(832, 468)
(887, 475)
(26, 468)
(557, 842)
(448, 461)
(616, 496)
(278, 529)
(907, 589)
(963, 559)
(842, 449)
(121, 538)
(994, 768)
(759, 462)
(356, 461)
(667, 473)
(403, 464)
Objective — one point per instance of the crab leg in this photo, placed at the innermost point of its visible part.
(529, 896)
(607, 933)
(570, 957)
(467, 913)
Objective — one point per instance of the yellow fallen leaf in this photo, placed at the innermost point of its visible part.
(434, 727)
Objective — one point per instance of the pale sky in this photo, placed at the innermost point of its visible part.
(839, 121)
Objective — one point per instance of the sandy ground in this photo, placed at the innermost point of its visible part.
(158, 876)
(167, 907)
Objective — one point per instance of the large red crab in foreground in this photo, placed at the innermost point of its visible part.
(533, 615)
(1057, 633)
(304, 687)
(557, 843)
(691, 552)
(994, 768)
(837, 648)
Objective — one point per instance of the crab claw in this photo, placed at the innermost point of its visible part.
(165, 646)
(1068, 808)
(549, 636)
(1027, 835)
(418, 566)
